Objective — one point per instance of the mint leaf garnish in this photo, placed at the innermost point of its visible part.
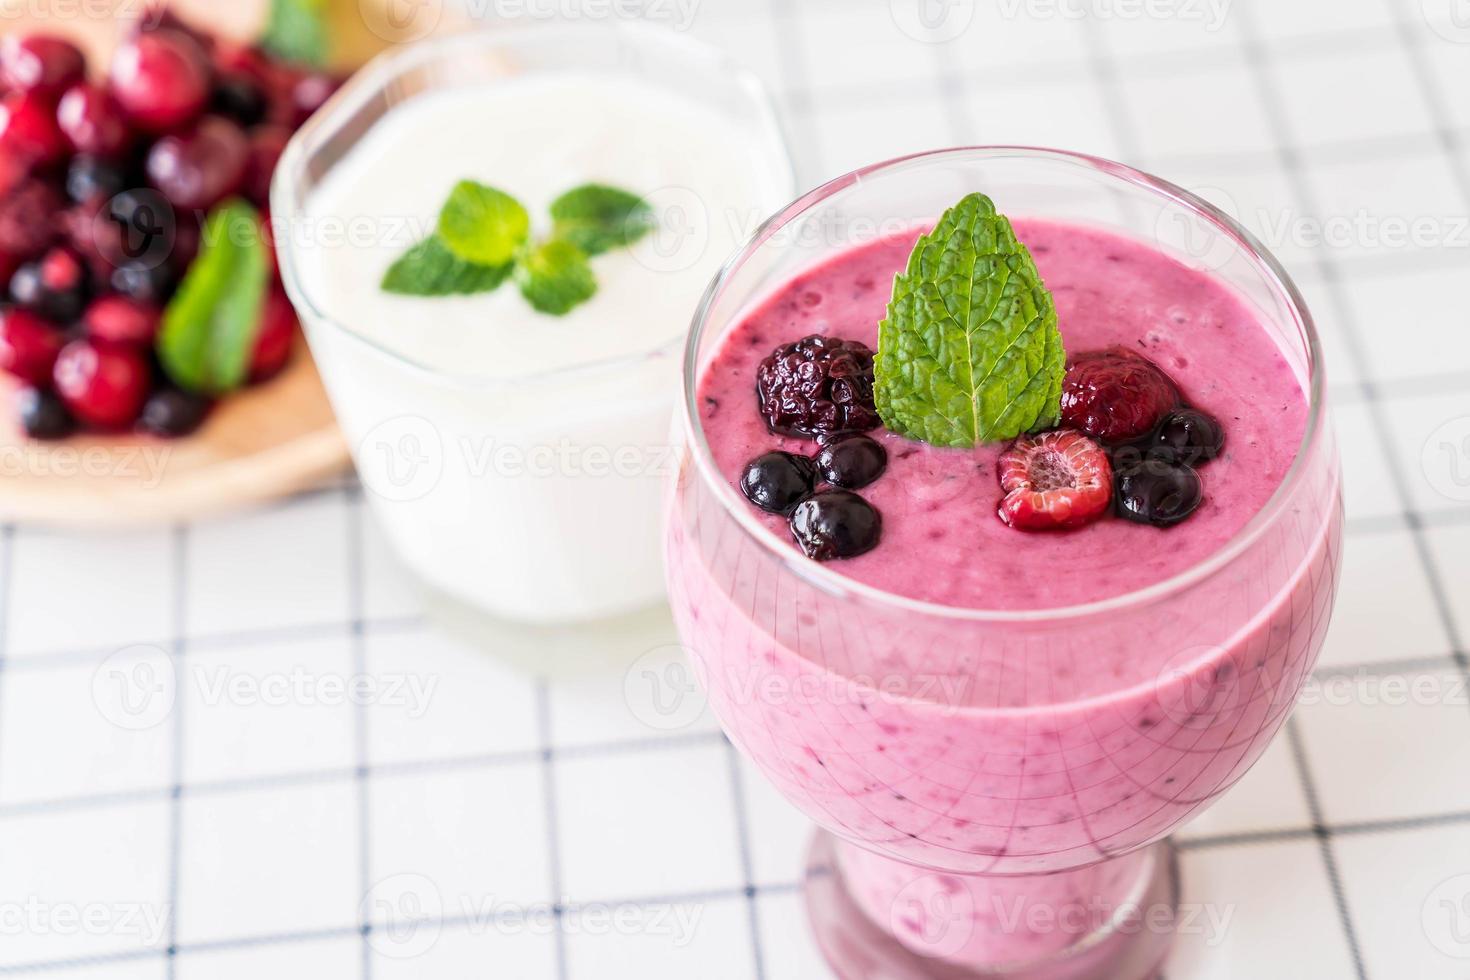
(595, 218)
(555, 277)
(482, 225)
(970, 351)
(431, 269)
(209, 326)
(297, 31)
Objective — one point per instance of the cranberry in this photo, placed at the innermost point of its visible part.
(172, 412)
(94, 122)
(103, 384)
(122, 320)
(267, 143)
(40, 63)
(28, 345)
(161, 79)
(28, 129)
(42, 414)
(26, 218)
(274, 339)
(200, 168)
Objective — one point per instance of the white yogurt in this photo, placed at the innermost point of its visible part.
(517, 459)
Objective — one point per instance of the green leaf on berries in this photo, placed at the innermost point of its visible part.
(431, 269)
(297, 31)
(596, 218)
(555, 277)
(970, 351)
(209, 326)
(482, 225)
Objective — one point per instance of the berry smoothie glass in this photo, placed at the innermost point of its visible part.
(996, 736)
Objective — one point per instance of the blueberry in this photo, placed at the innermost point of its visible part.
(1188, 436)
(171, 412)
(145, 282)
(777, 482)
(62, 302)
(836, 524)
(852, 463)
(1158, 493)
(239, 98)
(42, 414)
(89, 179)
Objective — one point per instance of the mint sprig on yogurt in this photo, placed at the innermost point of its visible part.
(970, 351)
(483, 237)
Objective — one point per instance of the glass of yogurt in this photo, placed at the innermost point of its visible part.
(996, 730)
(517, 459)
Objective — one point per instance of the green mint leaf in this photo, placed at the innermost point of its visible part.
(596, 218)
(555, 277)
(970, 350)
(482, 225)
(209, 326)
(297, 31)
(431, 269)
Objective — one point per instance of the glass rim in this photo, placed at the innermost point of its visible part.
(381, 72)
(828, 579)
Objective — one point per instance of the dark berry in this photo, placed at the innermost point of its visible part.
(144, 282)
(197, 169)
(93, 121)
(40, 63)
(147, 223)
(29, 131)
(56, 286)
(239, 97)
(171, 413)
(161, 79)
(123, 320)
(1053, 481)
(777, 482)
(1116, 395)
(1188, 436)
(1158, 493)
(836, 524)
(90, 179)
(852, 462)
(818, 385)
(274, 339)
(29, 345)
(42, 414)
(103, 384)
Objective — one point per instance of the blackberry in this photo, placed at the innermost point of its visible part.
(817, 386)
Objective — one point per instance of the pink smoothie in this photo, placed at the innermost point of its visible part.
(954, 746)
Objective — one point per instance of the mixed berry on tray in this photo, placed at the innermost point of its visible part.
(139, 277)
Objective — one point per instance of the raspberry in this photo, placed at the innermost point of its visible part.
(1116, 395)
(27, 215)
(29, 346)
(817, 386)
(1055, 480)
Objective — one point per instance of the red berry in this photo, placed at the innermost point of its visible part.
(310, 93)
(27, 215)
(28, 129)
(93, 121)
(40, 63)
(28, 345)
(198, 169)
(1116, 395)
(277, 332)
(1055, 480)
(122, 320)
(267, 143)
(161, 79)
(103, 384)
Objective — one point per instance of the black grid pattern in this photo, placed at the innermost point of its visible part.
(789, 38)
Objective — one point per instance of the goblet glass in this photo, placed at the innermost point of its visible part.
(989, 803)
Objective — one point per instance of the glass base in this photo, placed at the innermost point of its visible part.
(1114, 921)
